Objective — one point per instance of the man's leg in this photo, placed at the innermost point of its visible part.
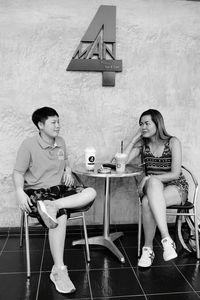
(77, 200)
(48, 209)
(57, 241)
(59, 273)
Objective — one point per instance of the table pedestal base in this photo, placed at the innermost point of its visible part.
(105, 242)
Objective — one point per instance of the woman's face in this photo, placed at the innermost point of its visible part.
(148, 127)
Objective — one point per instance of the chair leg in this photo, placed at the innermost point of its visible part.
(193, 225)
(179, 226)
(197, 235)
(86, 237)
(139, 226)
(21, 229)
(28, 266)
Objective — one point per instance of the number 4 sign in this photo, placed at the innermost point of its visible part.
(97, 49)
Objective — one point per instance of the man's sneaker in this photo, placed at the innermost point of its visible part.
(146, 258)
(61, 279)
(169, 248)
(48, 212)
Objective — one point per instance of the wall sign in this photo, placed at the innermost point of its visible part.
(97, 50)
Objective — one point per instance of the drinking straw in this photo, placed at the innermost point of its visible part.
(122, 150)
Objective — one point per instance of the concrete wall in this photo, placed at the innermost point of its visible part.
(159, 43)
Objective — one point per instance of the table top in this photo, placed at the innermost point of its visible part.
(130, 171)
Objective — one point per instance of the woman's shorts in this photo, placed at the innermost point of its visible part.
(181, 185)
(52, 193)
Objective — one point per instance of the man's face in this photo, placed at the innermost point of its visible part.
(51, 127)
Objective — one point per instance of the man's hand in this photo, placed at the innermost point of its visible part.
(68, 177)
(23, 200)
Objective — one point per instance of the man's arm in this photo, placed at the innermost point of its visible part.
(23, 199)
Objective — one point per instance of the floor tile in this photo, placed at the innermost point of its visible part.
(13, 243)
(162, 279)
(74, 259)
(3, 241)
(17, 287)
(138, 297)
(178, 296)
(16, 261)
(114, 282)
(192, 274)
(102, 258)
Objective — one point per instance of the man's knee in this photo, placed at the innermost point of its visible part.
(91, 193)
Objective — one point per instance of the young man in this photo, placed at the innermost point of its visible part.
(44, 185)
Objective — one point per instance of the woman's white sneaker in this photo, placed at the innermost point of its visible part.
(169, 248)
(146, 258)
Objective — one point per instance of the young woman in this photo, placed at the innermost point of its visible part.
(163, 184)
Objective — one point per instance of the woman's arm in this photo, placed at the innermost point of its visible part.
(133, 148)
(176, 151)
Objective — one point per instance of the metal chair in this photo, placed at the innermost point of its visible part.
(80, 214)
(186, 212)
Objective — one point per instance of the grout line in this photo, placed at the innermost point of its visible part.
(39, 279)
(4, 245)
(133, 270)
(186, 278)
(87, 264)
(89, 281)
(173, 293)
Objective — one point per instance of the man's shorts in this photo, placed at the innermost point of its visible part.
(52, 193)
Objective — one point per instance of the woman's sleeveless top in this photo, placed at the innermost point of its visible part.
(162, 164)
(157, 165)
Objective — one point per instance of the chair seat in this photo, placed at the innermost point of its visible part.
(186, 205)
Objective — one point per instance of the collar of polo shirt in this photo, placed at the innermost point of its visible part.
(44, 144)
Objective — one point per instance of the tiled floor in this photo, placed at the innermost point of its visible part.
(104, 278)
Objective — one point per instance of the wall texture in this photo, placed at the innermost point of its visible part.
(159, 43)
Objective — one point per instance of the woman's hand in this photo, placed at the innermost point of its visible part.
(138, 134)
(142, 184)
(23, 200)
(68, 177)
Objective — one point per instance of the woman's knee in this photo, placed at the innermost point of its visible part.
(145, 204)
(153, 183)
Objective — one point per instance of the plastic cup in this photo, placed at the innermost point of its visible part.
(90, 155)
(120, 162)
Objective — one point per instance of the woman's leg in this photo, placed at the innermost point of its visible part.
(159, 198)
(149, 224)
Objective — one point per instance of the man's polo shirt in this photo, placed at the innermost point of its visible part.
(41, 164)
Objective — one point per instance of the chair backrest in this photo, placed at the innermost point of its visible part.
(193, 185)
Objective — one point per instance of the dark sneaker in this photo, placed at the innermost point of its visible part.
(169, 248)
(146, 258)
(61, 280)
(48, 212)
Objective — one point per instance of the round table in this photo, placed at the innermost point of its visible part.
(107, 238)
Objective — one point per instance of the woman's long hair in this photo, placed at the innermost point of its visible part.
(157, 118)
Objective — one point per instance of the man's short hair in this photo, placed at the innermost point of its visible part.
(42, 114)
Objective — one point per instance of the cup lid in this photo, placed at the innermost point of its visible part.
(90, 149)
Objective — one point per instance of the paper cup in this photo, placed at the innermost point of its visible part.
(90, 155)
